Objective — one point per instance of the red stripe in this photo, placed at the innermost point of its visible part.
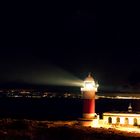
(89, 106)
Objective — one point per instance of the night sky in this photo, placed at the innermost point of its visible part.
(74, 38)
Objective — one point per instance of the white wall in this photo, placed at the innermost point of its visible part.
(122, 119)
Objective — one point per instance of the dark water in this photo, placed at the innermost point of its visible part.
(58, 109)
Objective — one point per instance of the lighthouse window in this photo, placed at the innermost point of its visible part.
(109, 120)
(135, 122)
(126, 121)
(118, 120)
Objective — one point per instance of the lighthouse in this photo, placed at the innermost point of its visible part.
(89, 89)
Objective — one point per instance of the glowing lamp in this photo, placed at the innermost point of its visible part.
(89, 84)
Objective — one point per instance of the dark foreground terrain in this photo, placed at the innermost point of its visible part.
(48, 130)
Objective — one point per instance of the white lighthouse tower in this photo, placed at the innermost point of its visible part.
(89, 89)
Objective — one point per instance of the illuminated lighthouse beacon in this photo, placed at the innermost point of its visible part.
(88, 90)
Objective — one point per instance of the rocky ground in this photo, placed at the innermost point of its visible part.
(11, 129)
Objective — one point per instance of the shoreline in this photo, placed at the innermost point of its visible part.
(31, 129)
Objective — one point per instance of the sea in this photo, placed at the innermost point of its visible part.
(59, 108)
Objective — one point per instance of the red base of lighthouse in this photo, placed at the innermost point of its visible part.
(89, 109)
(89, 106)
